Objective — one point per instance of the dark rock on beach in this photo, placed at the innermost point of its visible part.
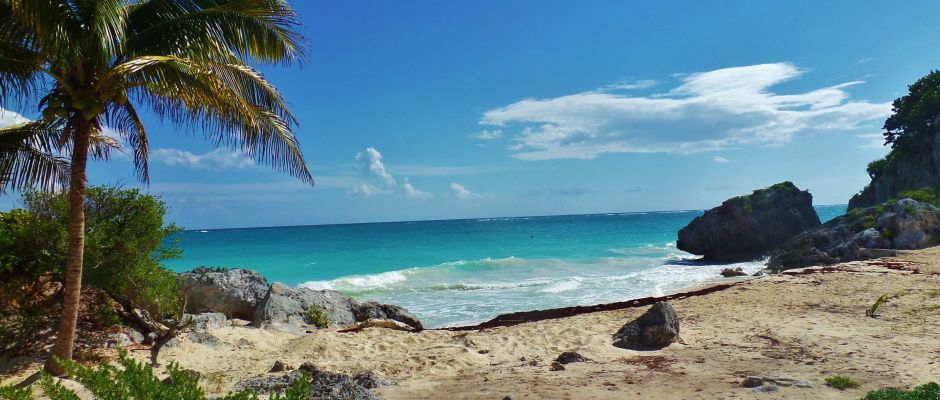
(862, 234)
(235, 292)
(372, 309)
(324, 385)
(733, 272)
(658, 327)
(370, 380)
(748, 227)
(569, 357)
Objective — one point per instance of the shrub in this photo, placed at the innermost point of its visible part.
(841, 382)
(930, 391)
(124, 246)
(137, 381)
(925, 194)
(317, 316)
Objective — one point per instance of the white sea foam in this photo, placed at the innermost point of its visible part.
(564, 285)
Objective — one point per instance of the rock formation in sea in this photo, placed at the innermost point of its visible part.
(246, 295)
(748, 227)
(862, 233)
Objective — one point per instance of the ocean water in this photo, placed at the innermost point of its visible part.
(458, 272)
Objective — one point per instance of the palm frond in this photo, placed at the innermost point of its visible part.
(29, 157)
(124, 120)
(232, 105)
(260, 30)
(53, 24)
(107, 19)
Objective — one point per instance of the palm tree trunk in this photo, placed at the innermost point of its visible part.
(73, 265)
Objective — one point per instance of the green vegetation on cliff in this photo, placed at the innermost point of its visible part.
(914, 161)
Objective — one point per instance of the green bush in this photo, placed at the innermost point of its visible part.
(841, 382)
(926, 195)
(124, 246)
(317, 316)
(137, 381)
(930, 391)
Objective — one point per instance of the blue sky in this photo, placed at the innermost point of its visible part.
(430, 110)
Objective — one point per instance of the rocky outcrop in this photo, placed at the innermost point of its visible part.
(862, 234)
(569, 357)
(658, 327)
(235, 292)
(323, 384)
(748, 227)
(374, 310)
(285, 308)
(896, 174)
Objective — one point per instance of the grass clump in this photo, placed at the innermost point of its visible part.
(316, 315)
(841, 382)
(873, 310)
(930, 391)
(925, 194)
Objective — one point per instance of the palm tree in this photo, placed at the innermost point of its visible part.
(92, 63)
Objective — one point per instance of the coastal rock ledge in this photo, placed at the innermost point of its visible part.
(246, 295)
(746, 228)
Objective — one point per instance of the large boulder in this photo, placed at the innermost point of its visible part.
(233, 292)
(748, 227)
(658, 327)
(286, 308)
(861, 234)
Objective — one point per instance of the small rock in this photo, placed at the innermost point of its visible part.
(556, 366)
(242, 342)
(279, 367)
(507, 398)
(483, 351)
(658, 327)
(752, 382)
(758, 273)
(137, 337)
(203, 338)
(569, 357)
(119, 340)
(733, 272)
(370, 380)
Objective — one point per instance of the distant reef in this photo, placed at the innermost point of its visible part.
(748, 227)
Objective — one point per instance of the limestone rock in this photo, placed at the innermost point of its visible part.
(658, 327)
(235, 292)
(569, 357)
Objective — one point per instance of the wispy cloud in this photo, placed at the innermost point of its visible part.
(370, 163)
(720, 160)
(411, 192)
(216, 160)
(865, 60)
(631, 85)
(707, 111)
(367, 190)
(460, 192)
(489, 134)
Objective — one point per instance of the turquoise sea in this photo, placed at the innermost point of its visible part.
(457, 272)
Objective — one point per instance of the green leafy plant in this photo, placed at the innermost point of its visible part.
(929, 391)
(925, 194)
(136, 381)
(316, 315)
(841, 382)
(873, 309)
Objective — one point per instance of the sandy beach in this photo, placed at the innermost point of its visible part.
(805, 324)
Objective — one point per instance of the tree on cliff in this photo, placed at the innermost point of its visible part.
(90, 64)
(916, 116)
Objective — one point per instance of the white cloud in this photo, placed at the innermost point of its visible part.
(489, 134)
(721, 160)
(8, 118)
(217, 160)
(708, 111)
(413, 193)
(367, 190)
(370, 162)
(458, 191)
(628, 85)
(865, 60)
